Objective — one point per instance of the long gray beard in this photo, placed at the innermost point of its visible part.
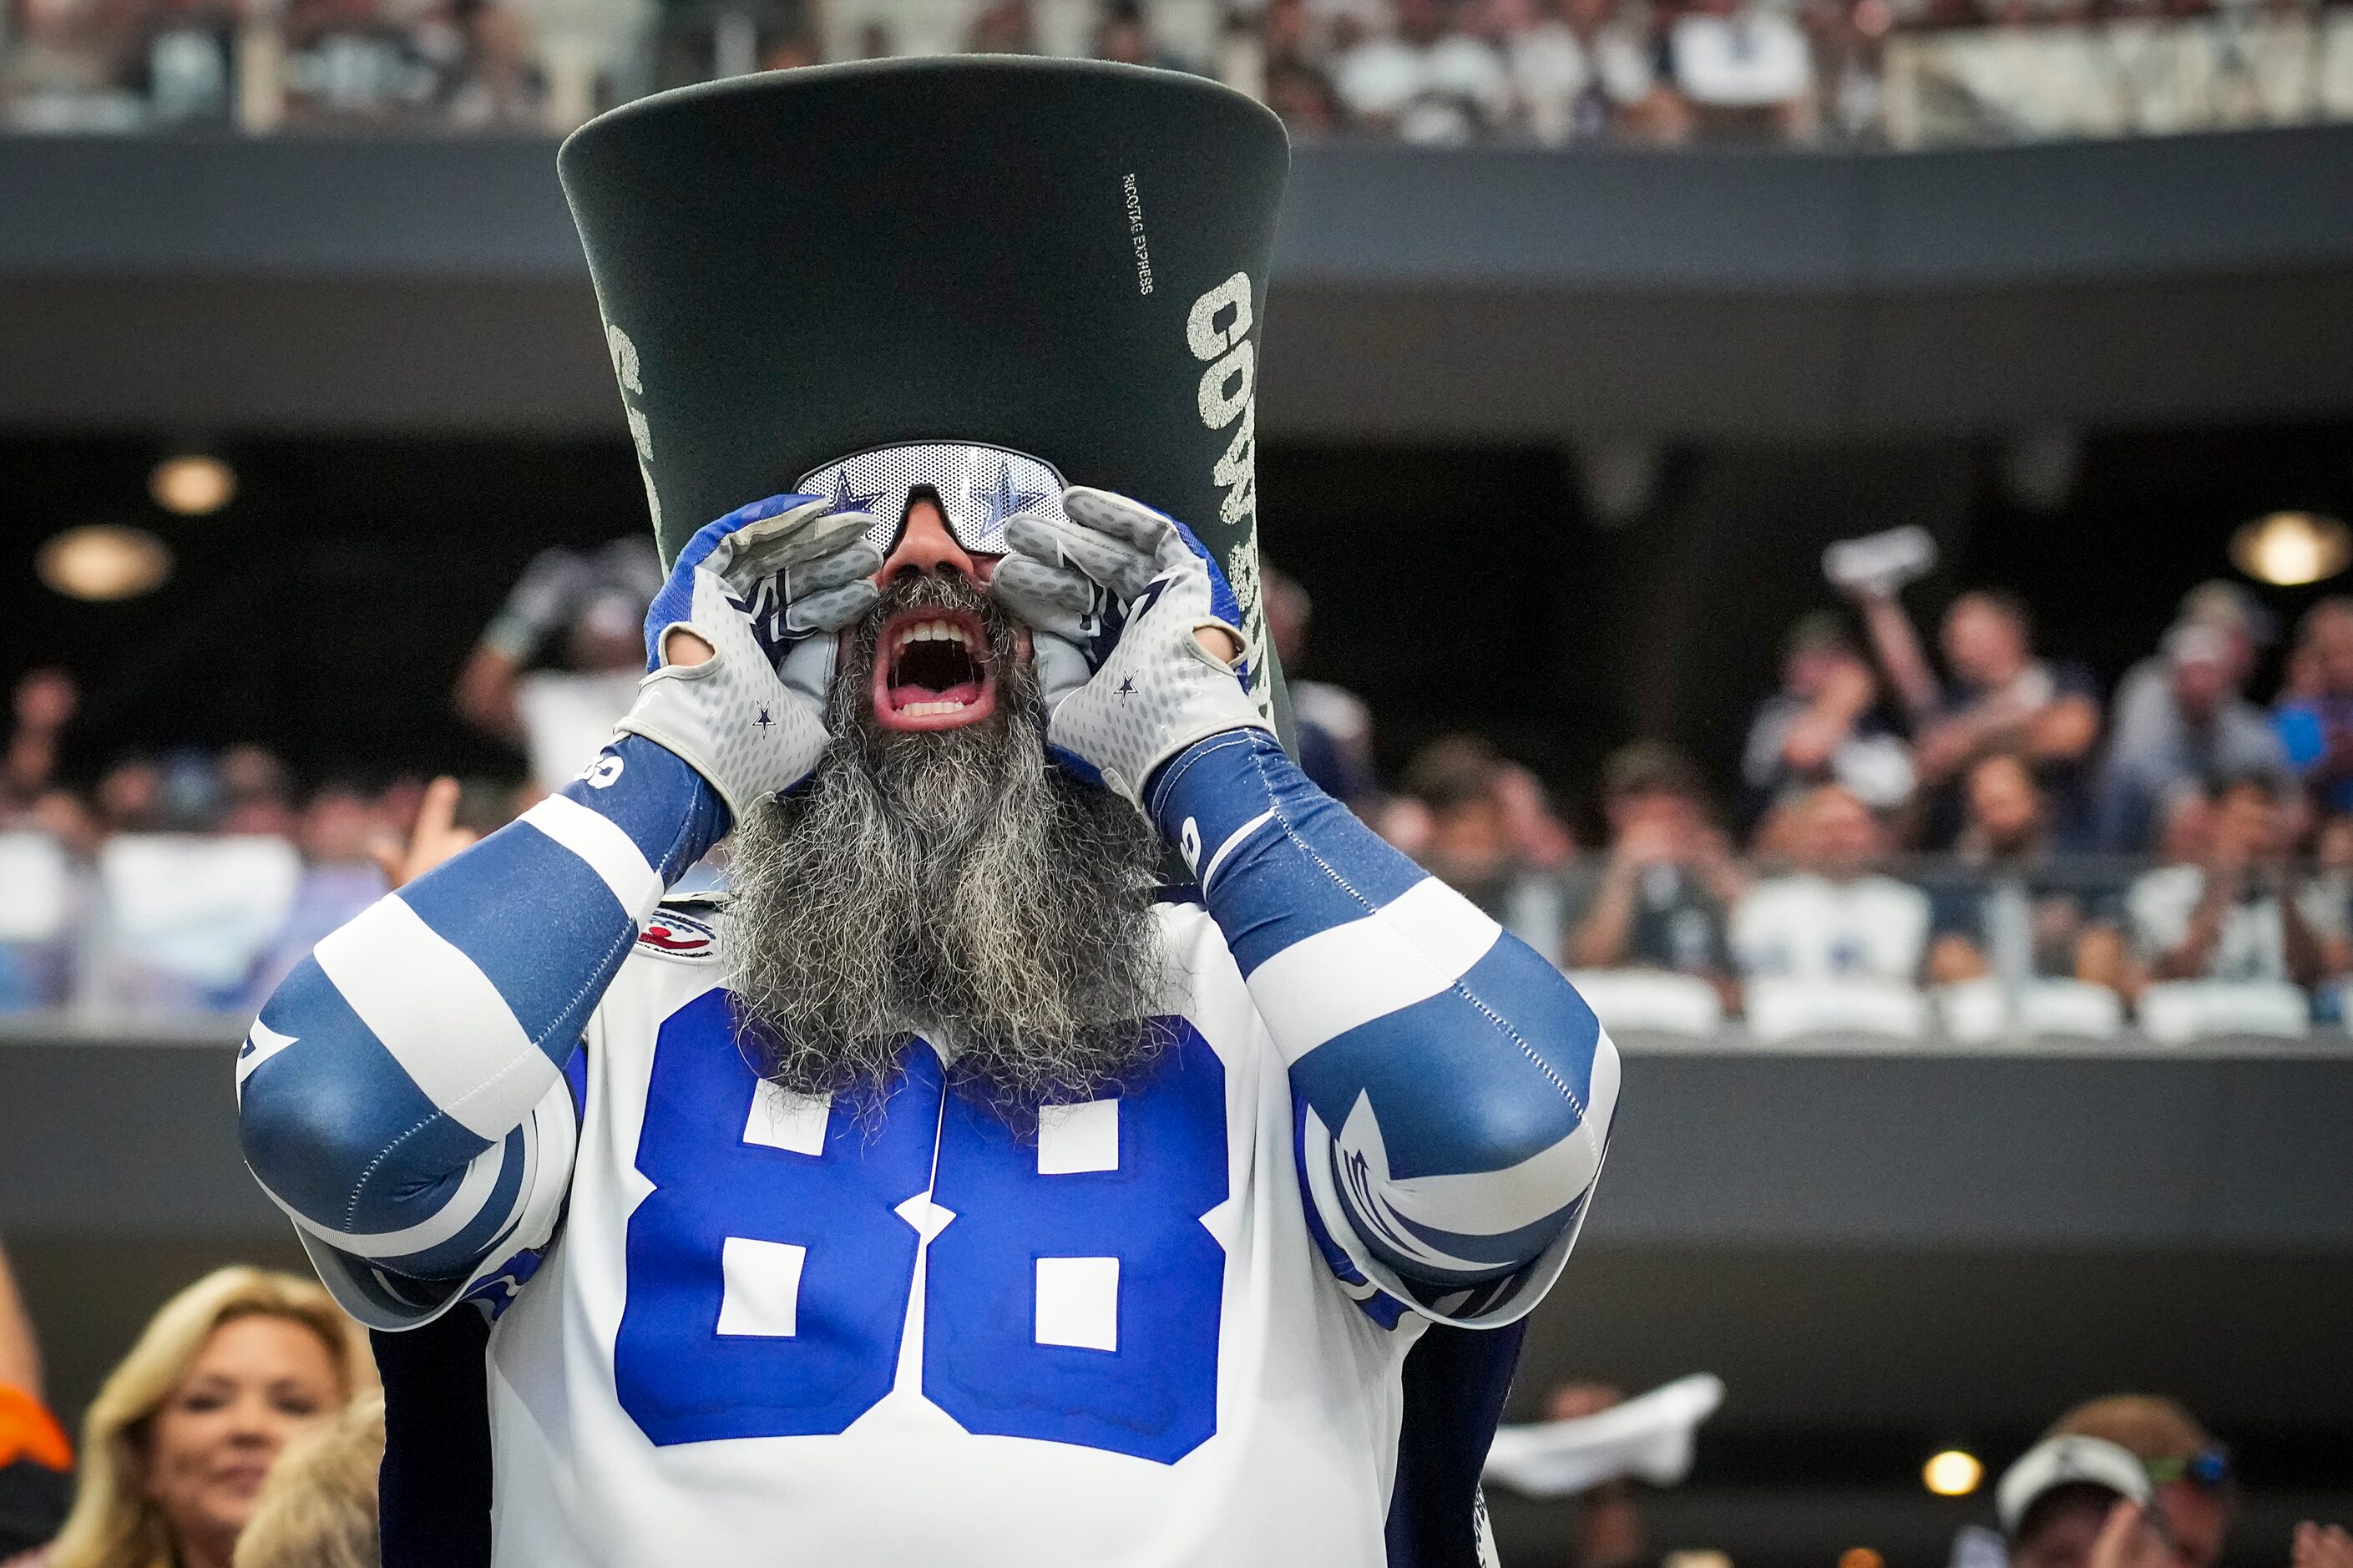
(951, 882)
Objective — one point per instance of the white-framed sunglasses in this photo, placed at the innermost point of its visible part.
(979, 486)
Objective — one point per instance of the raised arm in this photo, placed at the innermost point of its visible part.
(1455, 1093)
(400, 1096)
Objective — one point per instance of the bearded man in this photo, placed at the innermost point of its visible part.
(954, 1189)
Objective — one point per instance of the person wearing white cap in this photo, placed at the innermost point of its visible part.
(2059, 1503)
(2205, 730)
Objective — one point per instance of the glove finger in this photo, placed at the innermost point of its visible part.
(853, 561)
(802, 534)
(1108, 560)
(1130, 522)
(830, 609)
(1053, 599)
(1033, 533)
(729, 539)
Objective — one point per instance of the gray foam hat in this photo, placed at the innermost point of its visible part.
(2058, 1462)
(1064, 258)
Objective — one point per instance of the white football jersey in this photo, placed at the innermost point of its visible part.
(773, 1332)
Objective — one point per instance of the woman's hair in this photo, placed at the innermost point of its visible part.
(317, 1509)
(113, 1524)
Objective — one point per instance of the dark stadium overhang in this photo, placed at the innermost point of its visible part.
(417, 285)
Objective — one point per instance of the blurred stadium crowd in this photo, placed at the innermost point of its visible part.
(1547, 73)
(1970, 844)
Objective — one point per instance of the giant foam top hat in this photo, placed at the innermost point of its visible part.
(1066, 258)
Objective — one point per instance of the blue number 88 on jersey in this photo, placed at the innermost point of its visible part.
(1071, 1292)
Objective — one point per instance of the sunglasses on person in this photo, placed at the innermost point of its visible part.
(977, 486)
(2208, 1467)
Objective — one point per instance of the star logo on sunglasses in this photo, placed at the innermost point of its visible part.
(1005, 497)
(844, 500)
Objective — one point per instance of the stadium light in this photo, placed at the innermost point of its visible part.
(103, 561)
(1955, 1473)
(192, 484)
(2291, 548)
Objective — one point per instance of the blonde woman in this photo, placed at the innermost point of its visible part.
(176, 1444)
(318, 1508)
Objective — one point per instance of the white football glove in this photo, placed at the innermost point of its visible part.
(1114, 595)
(763, 586)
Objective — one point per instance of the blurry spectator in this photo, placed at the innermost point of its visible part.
(176, 1443)
(596, 602)
(348, 61)
(66, 70)
(1849, 43)
(35, 1457)
(1491, 836)
(486, 79)
(2197, 728)
(185, 56)
(2001, 697)
(2068, 1502)
(1610, 1532)
(2008, 909)
(317, 1509)
(1427, 78)
(1829, 916)
(341, 837)
(45, 901)
(2316, 723)
(67, 818)
(1301, 94)
(1658, 901)
(2195, 1489)
(1578, 68)
(1004, 27)
(2144, 700)
(2328, 901)
(1822, 726)
(255, 792)
(2186, 827)
(1277, 57)
(2235, 915)
(1125, 36)
(130, 797)
(1334, 727)
(1745, 68)
(45, 703)
(432, 834)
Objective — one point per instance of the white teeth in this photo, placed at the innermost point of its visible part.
(933, 631)
(920, 709)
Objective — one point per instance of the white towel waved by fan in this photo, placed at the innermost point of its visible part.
(1647, 1437)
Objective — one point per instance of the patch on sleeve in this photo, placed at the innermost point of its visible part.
(672, 933)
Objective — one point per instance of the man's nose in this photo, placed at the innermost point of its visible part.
(925, 545)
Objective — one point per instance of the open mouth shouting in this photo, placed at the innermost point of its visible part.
(933, 670)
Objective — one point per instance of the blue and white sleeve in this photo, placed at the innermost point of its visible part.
(1454, 1091)
(402, 1095)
